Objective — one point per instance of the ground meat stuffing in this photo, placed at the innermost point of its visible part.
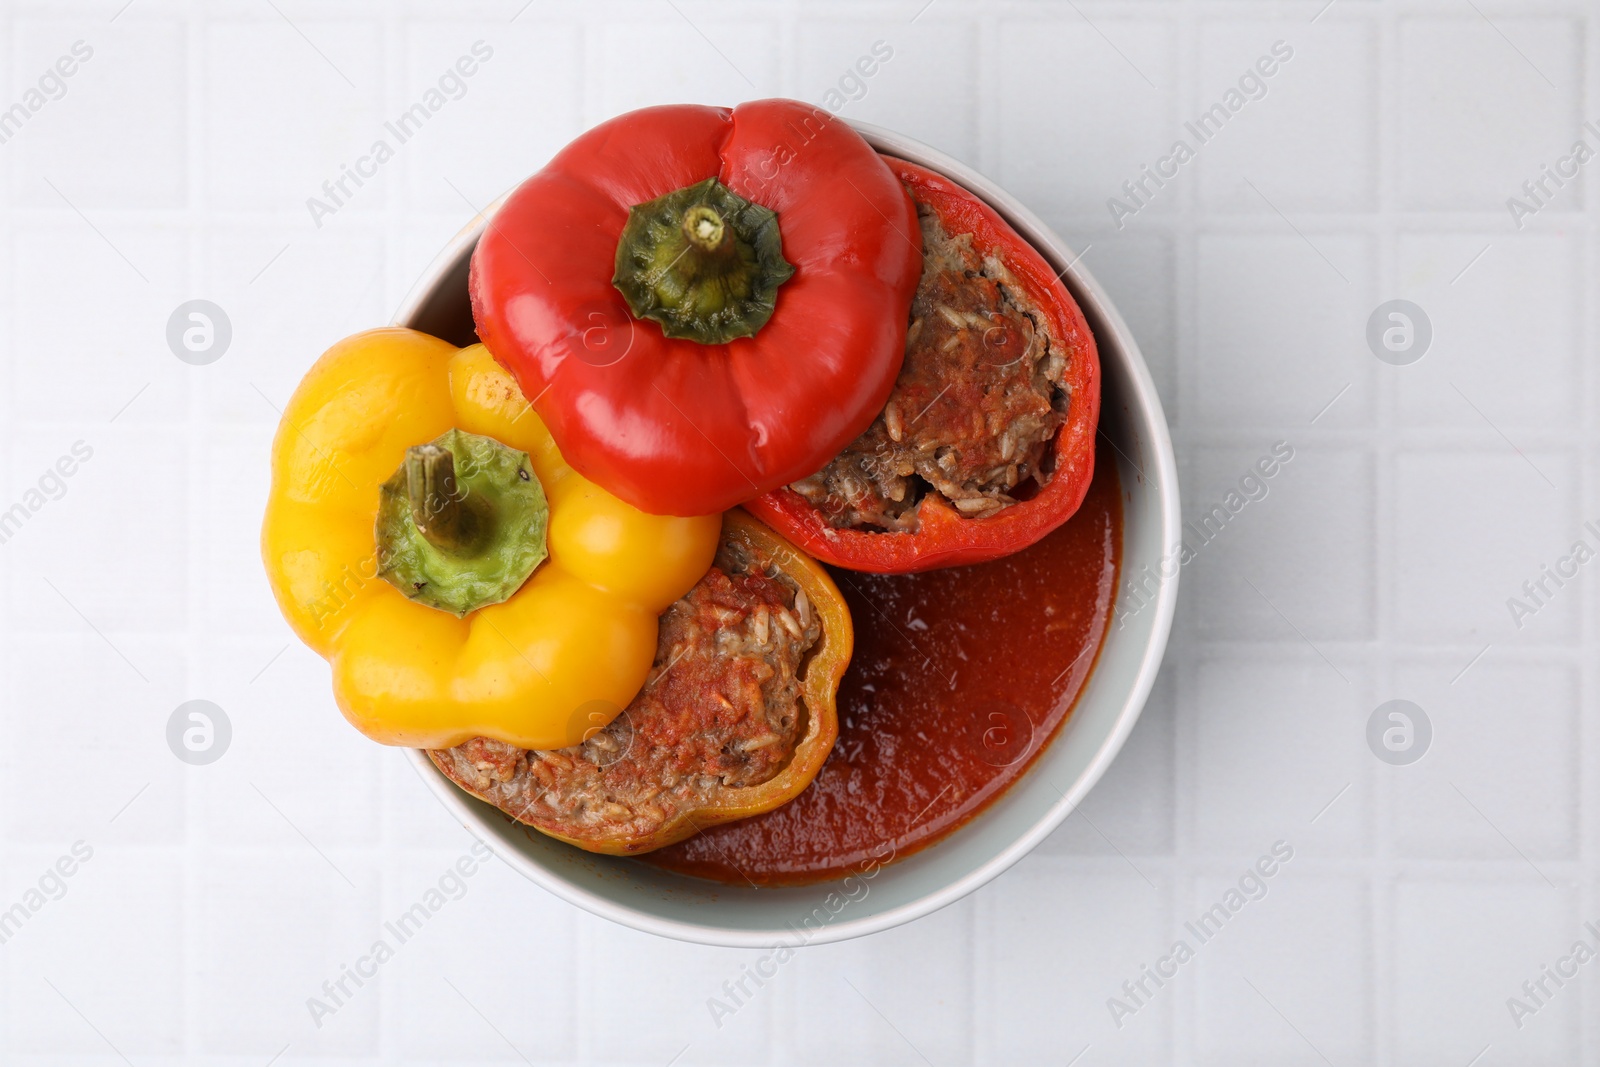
(721, 709)
(978, 401)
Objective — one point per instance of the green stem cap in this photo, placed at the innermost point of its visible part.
(702, 261)
(461, 523)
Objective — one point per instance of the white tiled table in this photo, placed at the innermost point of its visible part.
(219, 898)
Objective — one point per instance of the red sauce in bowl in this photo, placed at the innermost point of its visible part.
(960, 678)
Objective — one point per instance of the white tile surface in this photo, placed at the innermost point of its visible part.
(135, 67)
(919, 982)
(1052, 1005)
(253, 981)
(1463, 799)
(1275, 745)
(1296, 558)
(274, 147)
(1473, 524)
(670, 995)
(60, 697)
(1310, 129)
(1466, 141)
(135, 272)
(1258, 1000)
(642, 63)
(530, 61)
(922, 88)
(1050, 69)
(1453, 973)
(1483, 354)
(1280, 327)
(130, 908)
(1378, 564)
(484, 1017)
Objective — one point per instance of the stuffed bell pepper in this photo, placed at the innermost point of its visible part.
(736, 718)
(986, 442)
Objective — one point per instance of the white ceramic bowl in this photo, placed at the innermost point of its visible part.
(692, 910)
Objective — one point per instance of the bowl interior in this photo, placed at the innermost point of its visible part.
(649, 899)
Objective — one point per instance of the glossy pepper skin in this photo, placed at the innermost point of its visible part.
(944, 537)
(820, 678)
(559, 658)
(672, 425)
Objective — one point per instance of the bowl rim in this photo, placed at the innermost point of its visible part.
(1143, 405)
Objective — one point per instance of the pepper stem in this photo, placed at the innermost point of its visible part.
(704, 228)
(438, 507)
(461, 523)
(703, 262)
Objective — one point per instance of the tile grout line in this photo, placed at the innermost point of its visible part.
(8, 376)
(1588, 678)
(1380, 890)
(196, 202)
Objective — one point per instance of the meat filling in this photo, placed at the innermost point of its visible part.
(977, 403)
(721, 709)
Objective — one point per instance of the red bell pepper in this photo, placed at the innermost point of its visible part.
(944, 537)
(774, 254)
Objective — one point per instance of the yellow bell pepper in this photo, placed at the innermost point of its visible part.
(542, 669)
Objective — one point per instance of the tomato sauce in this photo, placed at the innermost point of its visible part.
(959, 679)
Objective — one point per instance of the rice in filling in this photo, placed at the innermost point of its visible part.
(979, 399)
